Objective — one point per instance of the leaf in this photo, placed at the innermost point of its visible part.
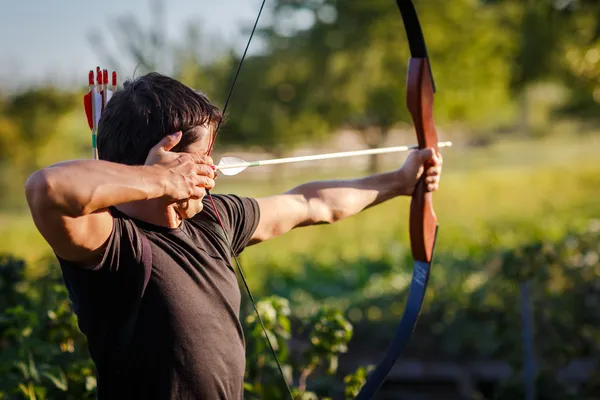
(23, 389)
(23, 368)
(333, 364)
(90, 383)
(60, 382)
(33, 369)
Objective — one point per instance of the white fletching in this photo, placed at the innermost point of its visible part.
(108, 94)
(232, 165)
(97, 99)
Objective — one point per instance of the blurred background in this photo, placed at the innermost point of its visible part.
(513, 306)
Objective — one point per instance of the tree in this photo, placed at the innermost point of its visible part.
(358, 55)
(556, 42)
(145, 47)
(34, 117)
(272, 107)
(581, 59)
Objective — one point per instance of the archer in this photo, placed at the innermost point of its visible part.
(141, 251)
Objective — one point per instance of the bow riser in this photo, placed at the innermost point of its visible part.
(419, 99)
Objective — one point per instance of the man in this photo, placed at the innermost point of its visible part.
(145, 262)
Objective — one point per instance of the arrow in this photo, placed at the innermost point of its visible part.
(234, 165)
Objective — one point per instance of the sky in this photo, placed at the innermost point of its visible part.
(48, 39)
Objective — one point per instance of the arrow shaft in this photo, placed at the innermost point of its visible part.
(343, 154)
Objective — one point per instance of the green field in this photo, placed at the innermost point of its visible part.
(493, 202)
(496, 196)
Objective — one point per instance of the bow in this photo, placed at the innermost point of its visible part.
(423, 222)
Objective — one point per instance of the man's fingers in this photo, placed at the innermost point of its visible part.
(429, 155)
(432, 187)
(168, 142)
(202, 159)
(424, 155)
(205, 170)
(433, 171)
(205, 182)
(199, 192)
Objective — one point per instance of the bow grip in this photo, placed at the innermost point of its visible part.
(419, 99)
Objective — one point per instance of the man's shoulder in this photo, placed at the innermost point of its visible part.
(227, 198)
(227, 206)
(124, 245)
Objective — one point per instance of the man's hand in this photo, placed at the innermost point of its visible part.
(191, 174)
(418, 162)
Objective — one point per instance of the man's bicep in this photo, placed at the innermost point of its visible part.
(81, 239)
(282, 213)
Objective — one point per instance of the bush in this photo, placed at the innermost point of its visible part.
(475, 314)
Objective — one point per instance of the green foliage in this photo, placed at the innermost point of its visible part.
(473, 316)
(29, 123)
(35, 114)
(328, 335)
(44, 355)
(358, 53)
(509, 211)
(263, 379)
(272, 106)
(354, 382)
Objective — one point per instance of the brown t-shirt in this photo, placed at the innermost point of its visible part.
(161, 311)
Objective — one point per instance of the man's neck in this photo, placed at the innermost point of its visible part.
(152, 212)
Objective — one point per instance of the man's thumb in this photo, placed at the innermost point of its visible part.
(169, 141)
(424, 155)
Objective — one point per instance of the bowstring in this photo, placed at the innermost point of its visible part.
(212, 202)
(237, 73)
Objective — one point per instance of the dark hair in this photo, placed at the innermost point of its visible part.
(145, 111)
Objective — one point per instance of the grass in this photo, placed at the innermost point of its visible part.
(512, 191)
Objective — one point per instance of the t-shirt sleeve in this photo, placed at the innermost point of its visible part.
(124, 247)
(105, 292)
(240, 217)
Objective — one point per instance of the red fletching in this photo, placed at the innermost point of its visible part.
(105, 82)
(87, 105)
(87, 100)
(114, 79)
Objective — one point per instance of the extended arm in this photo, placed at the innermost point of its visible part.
(324, 202)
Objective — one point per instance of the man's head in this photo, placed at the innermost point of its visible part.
(147, 110)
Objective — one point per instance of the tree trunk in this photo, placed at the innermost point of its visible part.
(373, 167)
(523, 123)
(277, 171)
(374, 137)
